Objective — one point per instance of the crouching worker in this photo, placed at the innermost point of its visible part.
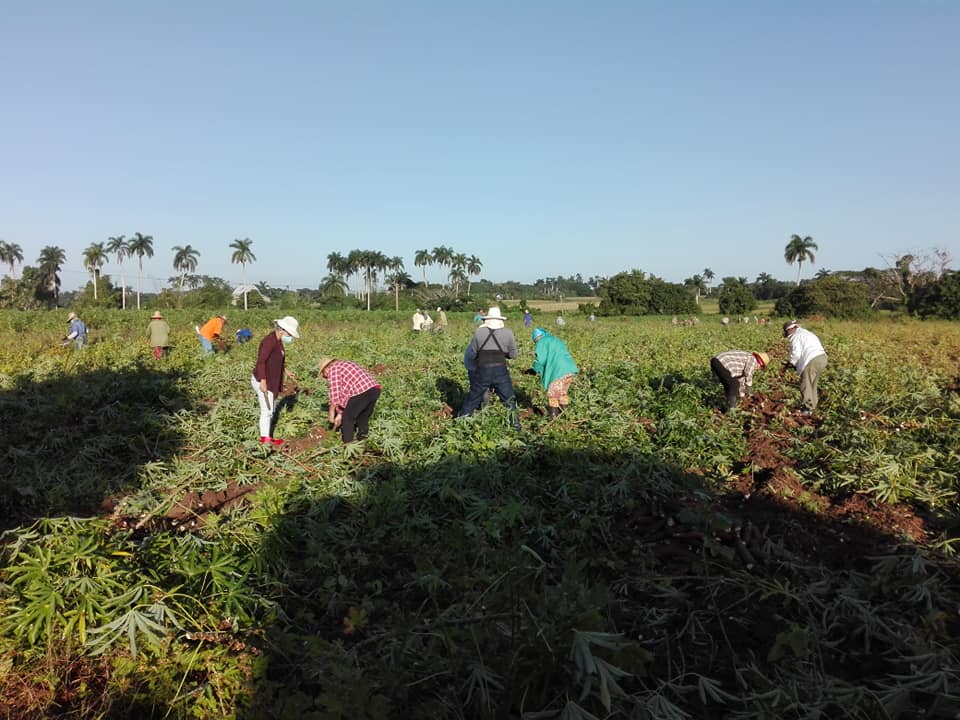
(556, 369)
(735, 368)
(78, 332)
(353, 395)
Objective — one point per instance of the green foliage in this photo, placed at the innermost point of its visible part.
(831, 296)
(636, 293)
(938, 300)
(736, 297)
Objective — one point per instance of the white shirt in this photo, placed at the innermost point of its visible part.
(804, 347)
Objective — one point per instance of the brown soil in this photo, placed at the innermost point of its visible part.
(315, 437)
(189, 510)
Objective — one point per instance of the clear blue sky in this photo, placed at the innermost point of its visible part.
(545, 137)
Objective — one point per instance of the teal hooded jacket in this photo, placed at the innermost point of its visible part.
(553, 359)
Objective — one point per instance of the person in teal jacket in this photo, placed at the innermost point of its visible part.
(556, 369)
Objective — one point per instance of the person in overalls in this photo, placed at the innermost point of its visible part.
(492, 345)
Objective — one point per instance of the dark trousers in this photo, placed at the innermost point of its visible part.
(497, 377)
(356, 415)
(730, 384)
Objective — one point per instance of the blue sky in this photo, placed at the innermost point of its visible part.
(547, 138)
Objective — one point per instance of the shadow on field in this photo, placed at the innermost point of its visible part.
(68, 443)
(541, 578)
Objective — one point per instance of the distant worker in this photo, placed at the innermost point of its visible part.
(441, 320)
(159, 333)
(734, 369)
(593, 318)
(78, 332)
(478, 316)
(244, 335)
(211, 332)
(556, 369)
(560, 321)
(527, 319)
(490, 348)
(809, 358)
(353, 392)
(417, 320)
(427, 321)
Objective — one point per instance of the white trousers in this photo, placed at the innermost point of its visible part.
(267, 406)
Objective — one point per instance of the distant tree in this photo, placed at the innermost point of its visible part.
(49, 264)
(118, 246)
(798, 250)
(708, 277)
(474, 266)
(636, 293)
(10, 254)
(822, 273)
(735, 297)
(333, 285)
(397, 278)
(140, 245)
(184, 261)
(443, 256)
(940, 299)
(243, 255)
(423, 259)
(832, 296)
(697, 284)
(94, 258)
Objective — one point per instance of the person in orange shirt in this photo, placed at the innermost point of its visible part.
(211, 332)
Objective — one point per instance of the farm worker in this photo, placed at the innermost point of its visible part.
(427, 321)
(490, 347)
(735, 368)
(211, 332)
(556, 369)
(268, 373)
(560, 321)
(470, 363)
(418, 320)
(441, 320)
(159, 333)
(354, 392)
(478, 317)
(809, 358)
(78, 331)
(527, 319)
(244, 335)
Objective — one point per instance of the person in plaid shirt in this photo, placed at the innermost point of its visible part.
(353, 395)
(735, 368)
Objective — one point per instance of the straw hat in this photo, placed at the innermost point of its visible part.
(323, 363)
(763, 358)
(71, 316)
(156, 315)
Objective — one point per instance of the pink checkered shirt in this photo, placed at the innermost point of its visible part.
(347, 379)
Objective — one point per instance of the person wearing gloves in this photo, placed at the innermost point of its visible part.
(490, 348)
(556, 369)
(159, 333)
(78, 332)
(734, 369)
(268, 373)
(809, 358)
(354, 392)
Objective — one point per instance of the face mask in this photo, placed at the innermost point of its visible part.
(286, 339)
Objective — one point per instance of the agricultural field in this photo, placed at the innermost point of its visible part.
(640, 556)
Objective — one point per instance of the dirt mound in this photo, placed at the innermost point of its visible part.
(190, 509)
(313, 438)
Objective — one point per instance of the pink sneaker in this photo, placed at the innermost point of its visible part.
(264, 439)
(276, 441)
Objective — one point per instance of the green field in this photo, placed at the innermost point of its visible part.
(641, 556)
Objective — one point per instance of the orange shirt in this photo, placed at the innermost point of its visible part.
(212, 329)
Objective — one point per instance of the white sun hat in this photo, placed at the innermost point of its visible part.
(289, 324)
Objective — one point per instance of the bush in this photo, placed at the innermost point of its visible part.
(831, 296)
(939, 300)
(736, 299)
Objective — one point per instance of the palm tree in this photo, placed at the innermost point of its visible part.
(10, 254)
(140, 245)
(708, 276)
(398, 276)
(354, 265)
(184, 261)
(822, 273)
(94, 258)
(474, 266)
(372, 262)
(798, 250)
(422, 259)
(118, 246)
(243, 254)
(442, 256)
(49, 263)
(333, 284)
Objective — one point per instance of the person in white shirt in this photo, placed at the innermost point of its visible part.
(809, 358)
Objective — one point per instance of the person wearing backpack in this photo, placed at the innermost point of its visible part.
(490, 348)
